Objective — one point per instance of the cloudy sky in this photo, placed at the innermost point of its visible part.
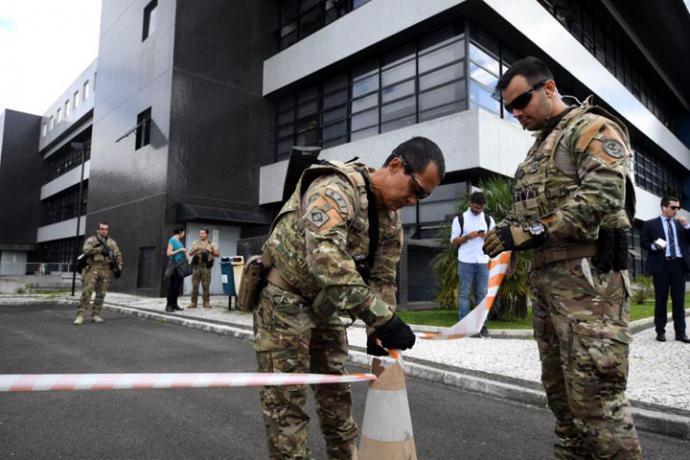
(44, 46)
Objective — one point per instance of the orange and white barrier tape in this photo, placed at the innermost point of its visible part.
(72, 382)
(472, 323)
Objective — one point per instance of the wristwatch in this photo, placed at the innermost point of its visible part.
(536, 229)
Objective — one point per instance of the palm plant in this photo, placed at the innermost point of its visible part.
(511, 301)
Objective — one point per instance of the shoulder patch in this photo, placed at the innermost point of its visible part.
(613, 148)
(339, 200)
(317, 217)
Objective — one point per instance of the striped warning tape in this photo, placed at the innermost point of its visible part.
(72, 382)
(472, 323)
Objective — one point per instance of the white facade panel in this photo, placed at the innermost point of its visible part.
(358, 30)
(547, 33)
(60, 230)
(65, 181)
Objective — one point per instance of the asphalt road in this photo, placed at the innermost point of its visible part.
(215, 423)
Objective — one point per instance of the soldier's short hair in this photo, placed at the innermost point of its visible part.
(478, 198)
(205, 230)
(103, 223)
(418, 152)
(667, 199)
(178, 229)
(534, 70)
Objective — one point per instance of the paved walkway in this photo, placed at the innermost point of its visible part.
(659, 372)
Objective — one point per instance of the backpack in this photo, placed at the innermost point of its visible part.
(461, 221)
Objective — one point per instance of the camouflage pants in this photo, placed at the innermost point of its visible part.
(95, 278)
(581, 327)
(288, 338)
(201, 275)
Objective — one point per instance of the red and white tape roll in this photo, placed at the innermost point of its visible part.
(72, 382)
(472, 323)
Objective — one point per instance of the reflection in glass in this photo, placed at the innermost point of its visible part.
(482, 76)
(397, 91)
(441, 56)
(444, 75)
(442, 95)
(483, 59)
(398, 109)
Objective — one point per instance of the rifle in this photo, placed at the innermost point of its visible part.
(113, 260)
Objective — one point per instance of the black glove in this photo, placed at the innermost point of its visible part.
(373, 346)
(396, 334)
(507, 238)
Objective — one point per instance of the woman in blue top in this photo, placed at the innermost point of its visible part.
(177, 251)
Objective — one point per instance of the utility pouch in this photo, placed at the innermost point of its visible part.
(253, 280)
(606, 247)
(620, 259)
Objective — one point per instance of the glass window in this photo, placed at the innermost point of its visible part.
(364, 103)
(150, 19)
(66, 108)
(365, 119)
(398, 109)
(442, 95)
(482, 76)
(86, 90)
(143, 133)
(397, 91)
(44, 129)
(59, 115)
(51, 123)
(75, 100)
(441, 56)
(483, 59)
(480, 96)
(441, 76)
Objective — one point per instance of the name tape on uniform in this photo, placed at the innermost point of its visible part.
(73, 382)
(473, 322)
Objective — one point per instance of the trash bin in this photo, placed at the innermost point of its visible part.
(231, 273)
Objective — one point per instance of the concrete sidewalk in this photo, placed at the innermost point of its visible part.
(507, 367)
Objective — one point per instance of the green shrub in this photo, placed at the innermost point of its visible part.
(642, 289)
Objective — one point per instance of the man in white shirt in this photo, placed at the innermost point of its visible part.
(467, 234)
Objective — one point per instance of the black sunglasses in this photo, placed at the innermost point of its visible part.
(675, 208)
(419, 191)
(521, 101)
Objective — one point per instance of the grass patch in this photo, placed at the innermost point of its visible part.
(446, 318)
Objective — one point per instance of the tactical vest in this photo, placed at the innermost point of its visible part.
(286, 244)
(548, 175)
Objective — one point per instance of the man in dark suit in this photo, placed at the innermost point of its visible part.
(668, 261)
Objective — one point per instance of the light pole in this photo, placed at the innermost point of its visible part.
(81, 146)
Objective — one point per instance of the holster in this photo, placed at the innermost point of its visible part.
(253, 280)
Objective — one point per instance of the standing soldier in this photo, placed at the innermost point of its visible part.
(569, 204)
(103, 261)
(202, 253)
(321, 260)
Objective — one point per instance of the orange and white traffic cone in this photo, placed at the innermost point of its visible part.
(387, 426)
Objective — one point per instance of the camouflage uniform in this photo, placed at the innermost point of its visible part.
(202, 252)
(573, 181)
(96, 276)
(312, 244)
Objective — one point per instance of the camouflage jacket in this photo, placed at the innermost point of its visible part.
(199, 247)
(93, 248)
(573, 179)
(319, 231)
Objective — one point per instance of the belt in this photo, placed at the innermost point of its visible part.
(549, 256)
(673, 258)
(275, 278)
